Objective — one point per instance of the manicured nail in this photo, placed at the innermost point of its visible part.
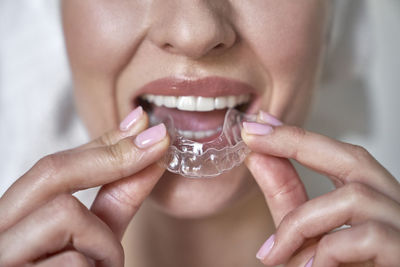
(151, 136)
(310, 262)
(268, 118)
(131, 119)
(266, 248)
(257, 128)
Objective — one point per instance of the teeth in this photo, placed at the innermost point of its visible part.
(198, 134)
(170, 101)
(197, 103)
(220, 102)
(186, 103)
(187, 134)
(231, 101)
(159, 100)
(205, 103)
(150, 98)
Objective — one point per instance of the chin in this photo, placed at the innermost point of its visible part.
(194, 198)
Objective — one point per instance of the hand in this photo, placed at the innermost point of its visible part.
(42, 224)
(367, 198)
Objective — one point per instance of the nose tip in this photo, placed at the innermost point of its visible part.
(193, 32)
(194, 44)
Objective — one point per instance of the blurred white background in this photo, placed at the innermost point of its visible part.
(357, 101)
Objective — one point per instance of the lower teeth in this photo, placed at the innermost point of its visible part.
(198, 134)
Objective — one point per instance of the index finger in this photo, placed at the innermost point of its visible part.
(137, 125)
(70, 171)
(339, 161)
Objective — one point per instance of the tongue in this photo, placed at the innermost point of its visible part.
(192, 120)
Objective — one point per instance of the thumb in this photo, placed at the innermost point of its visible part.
(279, 182)
(117, 202)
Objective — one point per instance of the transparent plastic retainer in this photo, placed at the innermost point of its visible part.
(204, 160)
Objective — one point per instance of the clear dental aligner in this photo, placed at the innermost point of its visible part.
(204, 160)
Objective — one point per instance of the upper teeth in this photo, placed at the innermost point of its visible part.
(197, 103)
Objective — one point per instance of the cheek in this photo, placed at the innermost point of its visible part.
(99, 45)
(288, 40)
(285, 36)
(100, 41)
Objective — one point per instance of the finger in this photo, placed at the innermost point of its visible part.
(370, 241)
(136, 122)
(118, 202)
(279, 182)
(61, 223)
(351, 204)
(68, 172)
(345, 162)
(65, 259)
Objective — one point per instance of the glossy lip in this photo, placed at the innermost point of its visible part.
(211, 86)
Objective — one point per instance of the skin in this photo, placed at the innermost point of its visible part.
(134, 41)
(112, 46)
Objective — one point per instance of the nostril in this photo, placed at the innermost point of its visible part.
(168, 47)
(219, 46)
(194, 50)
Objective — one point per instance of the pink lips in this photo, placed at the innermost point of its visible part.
(208, 87)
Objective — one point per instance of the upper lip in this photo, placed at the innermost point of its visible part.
(212, 86)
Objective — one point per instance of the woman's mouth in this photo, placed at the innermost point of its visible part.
(197, 107)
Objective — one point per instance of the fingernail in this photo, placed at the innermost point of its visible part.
(268, 118)
(310, 262)
(257, 128)
(151, 136)
(266, 248)
(131, 119)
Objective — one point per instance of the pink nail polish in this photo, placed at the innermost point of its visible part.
(257, 128)
(268, 118)
(266, 248)
(310, 262)
(131, 119)
(151, 136)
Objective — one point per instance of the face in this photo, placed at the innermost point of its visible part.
(216, 53)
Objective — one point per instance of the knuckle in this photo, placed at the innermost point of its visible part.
(65, 206)
(286, 188)
(50, 164)
(298, 134)
(106, 139)
(292, 223)
(356, 158)
(74, 258)
(326, 247)
(118, 154)
(360, 152)
(122, 198)
(375, 231)
(357, 193)
(358, 155)
(325, 244)
(123, 154)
